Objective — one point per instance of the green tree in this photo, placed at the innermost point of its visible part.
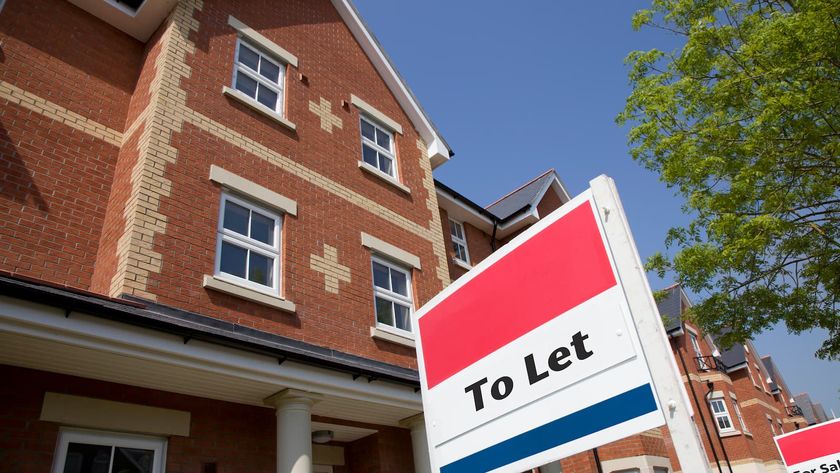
(743, 121)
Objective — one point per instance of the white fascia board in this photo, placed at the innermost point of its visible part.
(46, 322)
(459, 211)
(437, 149)
(140, 24)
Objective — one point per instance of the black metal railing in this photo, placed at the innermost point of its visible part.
(707, 363)
(793, 411)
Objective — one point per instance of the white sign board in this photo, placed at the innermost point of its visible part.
(815, 449)
(534, 355)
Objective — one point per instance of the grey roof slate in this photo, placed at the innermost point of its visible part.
(804, 402)
(775, 377)
(670, 309)
(733, 356)
(524, 196)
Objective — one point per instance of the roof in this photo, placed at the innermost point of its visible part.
(526, 195)
(438, 149)
(670, 308)
(776, 380)
(734, 356)
(193, 326)
(803, 401)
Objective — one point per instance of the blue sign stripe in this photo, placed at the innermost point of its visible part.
(613, 411)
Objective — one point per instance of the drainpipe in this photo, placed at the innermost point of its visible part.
(710, 385)
(597, 460)
(493, 238)
(699, 407)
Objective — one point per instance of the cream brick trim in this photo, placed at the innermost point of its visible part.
(327, 454)
(390, 251)
(329, 266)
(136, 257)
(216, 284)
(101, 414)
(381, 175)
(262, 42)
(381, 334)
(380, 117)
(257, 107)
(253, 190)
(754, 401)
(324, 111)
(58, 113)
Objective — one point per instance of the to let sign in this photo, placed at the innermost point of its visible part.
(812, 450)
(533, 355)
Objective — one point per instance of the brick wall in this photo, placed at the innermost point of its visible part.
(106, 187)
(64, 97)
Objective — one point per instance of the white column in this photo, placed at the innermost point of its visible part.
(553, 467)
(294, 429)
(419, 443)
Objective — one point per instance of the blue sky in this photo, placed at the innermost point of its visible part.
(520, 87)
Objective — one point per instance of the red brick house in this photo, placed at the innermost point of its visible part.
(217, 217)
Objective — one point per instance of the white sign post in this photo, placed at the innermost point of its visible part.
(550, 347)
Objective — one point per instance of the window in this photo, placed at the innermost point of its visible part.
(752, 377)
(701, 363)
(737, 410)
(378, 147)
(721, 415)
(392, 295)
(248, 246)
(259, 77)
(760, 375)
(459, 241)
(81, 451)
(772, 426)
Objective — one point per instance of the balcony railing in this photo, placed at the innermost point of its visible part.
(707, 363)
(793, 411)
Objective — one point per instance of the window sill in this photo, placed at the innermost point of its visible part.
(733, 433)
(390, 180)
(216, 284)
(387, 335)
(257, 107)
(461, 264)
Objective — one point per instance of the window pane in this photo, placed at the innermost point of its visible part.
(259, 269)
(399, 283)
(460, 252)
(270, 71)
(133, 460)
(267, 97)
(452, 228)
(236, 218)
(248, 57)
(380, 276)
(383, 139)
(85, 458)
(233, 260)
(384, 312)
(368, 131)
(369, 155)
(246, 84)
(262, 228)
(402, 317)
(385, 164)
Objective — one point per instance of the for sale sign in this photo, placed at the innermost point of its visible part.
(533, 355)
(812, 450)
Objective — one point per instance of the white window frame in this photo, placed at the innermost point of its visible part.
(273, 251)
(391, 153)
(112, 439)
(695, 344)
(278, 87)
(740, 417)
(392, 296)
(460, 241)
(724, 414)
